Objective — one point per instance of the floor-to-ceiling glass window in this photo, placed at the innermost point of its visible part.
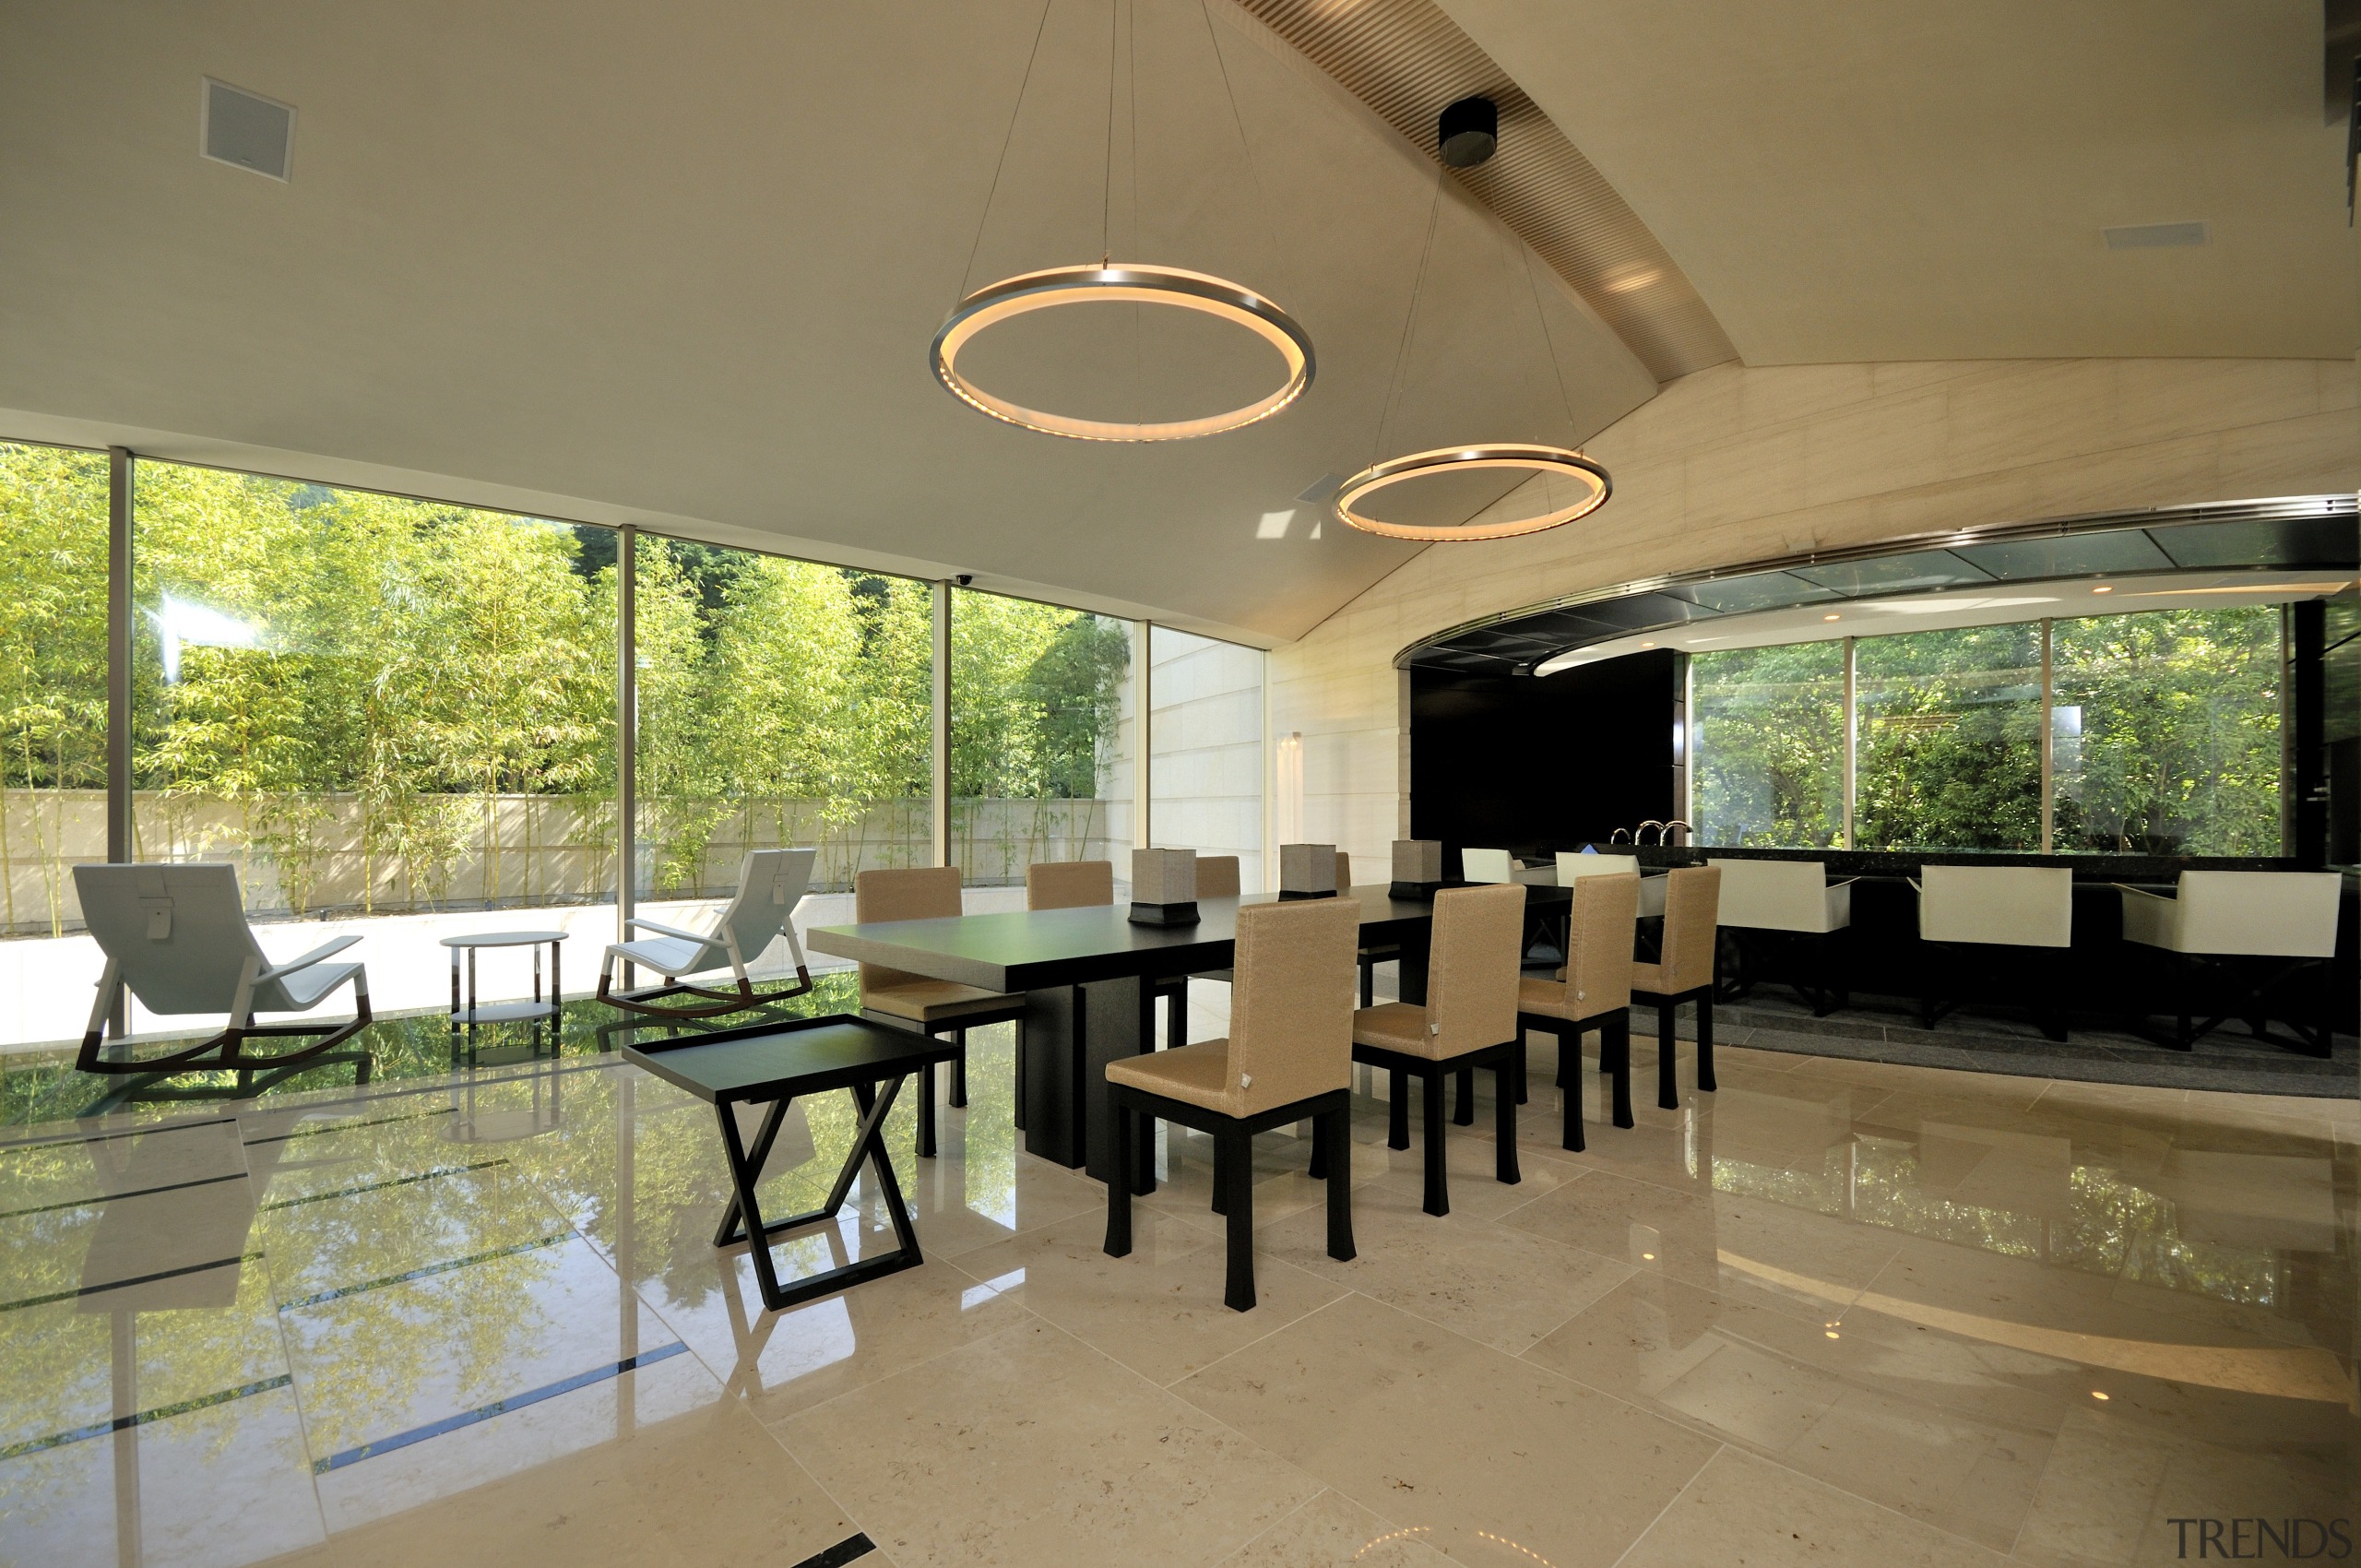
(1949, 739)
(52, 730)
(1767, 743)
(2165, 732)
(1206, 765)
(393, 716)
(1040, 738)
(780, 703)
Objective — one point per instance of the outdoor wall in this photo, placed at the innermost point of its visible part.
(1735, 464)
(545, 850)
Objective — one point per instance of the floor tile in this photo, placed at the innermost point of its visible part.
(1745, 1510)
(1441, 1432)
(1032, 1447)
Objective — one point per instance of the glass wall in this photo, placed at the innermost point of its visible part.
(52, 725)
(1950, 740)
(388, 713)
(1767, 731)
(1205, 768)
(1040, 737)
(397, 718)
(2165, 731)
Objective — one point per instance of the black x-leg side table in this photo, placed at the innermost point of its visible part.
(774, 1063)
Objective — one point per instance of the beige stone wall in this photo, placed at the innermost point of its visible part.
(1735, 464)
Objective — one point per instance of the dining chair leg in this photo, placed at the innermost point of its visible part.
(1221, 1173)
(1462, 1112)
(1438, 1193)
(1397, 1109)
(1239, 1155)
(1504, 1127)
(1368, 982)
(1119, 1192)
(1620, 1028)
(1569, 1063)
(1668, 1058)
(1521, 1094)
(1340, 1183)
(1318, 1170)
(926, 1112)
(1705, 1041)
(959, 1072)
(1569, 1049)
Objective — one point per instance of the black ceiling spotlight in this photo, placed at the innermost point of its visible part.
(1468, 131)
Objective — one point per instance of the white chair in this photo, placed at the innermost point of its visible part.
(2220, 917)
(770, 884)
(1988, 907)
(1487, 865)
(177, 936)
(1572, 868)
(1794, 898)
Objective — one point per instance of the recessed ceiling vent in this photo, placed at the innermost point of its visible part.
(2154, 236)
(245, 130)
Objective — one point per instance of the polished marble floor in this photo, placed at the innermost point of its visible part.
(1840, 1311)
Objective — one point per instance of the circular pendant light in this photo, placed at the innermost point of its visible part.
(1549, 462)
(1466, 135)
(1126, 284)
(1111, 282)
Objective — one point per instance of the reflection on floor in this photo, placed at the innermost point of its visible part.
(1840, 1311)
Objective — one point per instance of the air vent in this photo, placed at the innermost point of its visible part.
(245, 130)
(1321, 491)
(2154, 236)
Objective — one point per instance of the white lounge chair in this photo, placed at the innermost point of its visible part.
(770, 884)
(1795, 899)
(177, 936)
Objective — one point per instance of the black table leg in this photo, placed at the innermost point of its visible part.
(743, 1221)
(1071, 1034)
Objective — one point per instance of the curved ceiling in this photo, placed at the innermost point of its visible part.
(2251, 551)
(681, 265)
(1863, 181)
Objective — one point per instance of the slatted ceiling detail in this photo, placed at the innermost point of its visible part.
(1407, 61)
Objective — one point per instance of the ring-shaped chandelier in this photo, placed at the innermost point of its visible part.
(1548, 461)
(1126, 284)
(1466, 135)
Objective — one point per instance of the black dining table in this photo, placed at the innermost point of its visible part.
(1088, 977)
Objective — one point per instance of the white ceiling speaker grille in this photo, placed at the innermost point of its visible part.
(245, 130)
(2154, 236)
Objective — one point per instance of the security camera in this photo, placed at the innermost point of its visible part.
(964, 579)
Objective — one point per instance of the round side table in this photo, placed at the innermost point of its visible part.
(475, 1013)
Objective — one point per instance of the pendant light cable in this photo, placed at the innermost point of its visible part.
(1007, 136)
(1245, 148)
(1410, 321)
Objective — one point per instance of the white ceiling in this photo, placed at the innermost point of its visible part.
(681, 264)
(1991, 604)
(1864, 180)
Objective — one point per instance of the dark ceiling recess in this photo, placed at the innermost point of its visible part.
(1468, 130)
(2307, 532)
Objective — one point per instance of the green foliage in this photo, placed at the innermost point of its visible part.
(1950, 740)
(297, 646)
(1767, 735)
(2168, 736)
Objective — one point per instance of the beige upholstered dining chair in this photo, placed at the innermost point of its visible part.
(1593, 991)
(932, 1007)
(1469, 1020)
(1683, 972)
(1075, 884)
(1218, 876)
(1288, 1057)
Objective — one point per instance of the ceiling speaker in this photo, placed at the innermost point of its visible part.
(2151, 236)
(245, 130)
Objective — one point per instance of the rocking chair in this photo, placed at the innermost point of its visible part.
(770, 884)
(177, 936)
